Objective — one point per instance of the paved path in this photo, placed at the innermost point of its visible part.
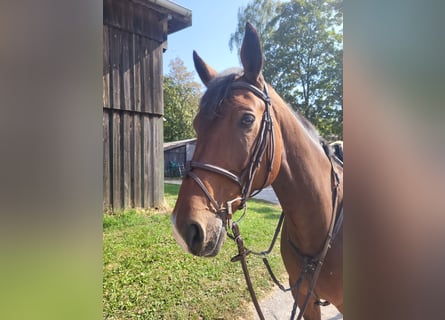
(279, 306)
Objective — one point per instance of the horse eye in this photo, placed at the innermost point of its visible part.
(247, 120)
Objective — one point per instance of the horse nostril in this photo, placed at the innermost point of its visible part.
(195, 238)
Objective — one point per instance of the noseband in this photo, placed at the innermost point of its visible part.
(245, 180)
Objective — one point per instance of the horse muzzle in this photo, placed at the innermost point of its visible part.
(200, 239)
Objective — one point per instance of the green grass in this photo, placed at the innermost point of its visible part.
(147, 276)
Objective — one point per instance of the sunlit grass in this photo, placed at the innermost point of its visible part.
(147, 275)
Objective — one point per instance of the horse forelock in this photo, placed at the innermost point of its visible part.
(217, 91)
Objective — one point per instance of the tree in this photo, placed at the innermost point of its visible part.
(181, 101)
(303, 52)
(258, 13)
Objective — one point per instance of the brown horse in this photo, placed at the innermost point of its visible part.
(248, 138)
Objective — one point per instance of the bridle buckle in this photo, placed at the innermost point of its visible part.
(230, 211)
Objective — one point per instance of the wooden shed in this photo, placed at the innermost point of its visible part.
(134, 39)
(176, 154)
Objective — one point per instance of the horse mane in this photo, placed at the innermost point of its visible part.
(310, 128)
(314, 134)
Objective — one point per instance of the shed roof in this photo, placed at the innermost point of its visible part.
(177, 144)
(178, 17)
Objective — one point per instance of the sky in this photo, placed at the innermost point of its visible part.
(212, 23)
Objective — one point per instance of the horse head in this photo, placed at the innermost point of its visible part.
(238, 150)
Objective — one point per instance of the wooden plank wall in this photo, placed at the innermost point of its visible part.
(133, 39)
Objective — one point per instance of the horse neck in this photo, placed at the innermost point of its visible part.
(303, 185)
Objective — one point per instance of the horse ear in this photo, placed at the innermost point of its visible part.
(205, 72)
(251, 54)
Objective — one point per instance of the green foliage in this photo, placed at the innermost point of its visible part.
(303, 51)
(147, 276)
(181, 101)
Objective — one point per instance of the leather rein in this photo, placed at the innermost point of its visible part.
(311, 265)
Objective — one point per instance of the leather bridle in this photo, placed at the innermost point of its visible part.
(265, 138)
(245, 180)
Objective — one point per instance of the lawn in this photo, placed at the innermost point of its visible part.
(146, 275)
